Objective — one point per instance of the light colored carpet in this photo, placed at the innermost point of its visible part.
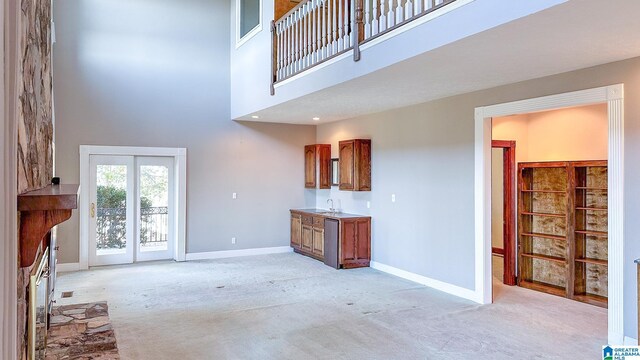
(287, 306)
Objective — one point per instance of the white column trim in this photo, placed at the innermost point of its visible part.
(614, 97)
(180, 157)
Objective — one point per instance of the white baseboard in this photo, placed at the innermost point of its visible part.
(629, 341)
(432, 283)
(237, 253)
(68, 267)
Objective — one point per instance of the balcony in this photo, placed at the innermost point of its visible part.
(407, 52)
(316, 31)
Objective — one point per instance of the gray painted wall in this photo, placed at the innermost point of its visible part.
(425, 155)
(156, 73)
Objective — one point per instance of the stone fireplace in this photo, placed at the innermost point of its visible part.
(34, 95)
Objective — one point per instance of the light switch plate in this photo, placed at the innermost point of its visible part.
(233, 240)
(393, 197)
(234, 195)
(368, 204)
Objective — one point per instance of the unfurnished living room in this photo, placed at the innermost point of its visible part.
(319, 179)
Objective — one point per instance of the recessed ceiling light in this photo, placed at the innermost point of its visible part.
(255, 117)
(316, 118)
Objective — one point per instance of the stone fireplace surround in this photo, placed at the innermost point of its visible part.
(34, 115)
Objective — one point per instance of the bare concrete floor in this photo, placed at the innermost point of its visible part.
(287, 306)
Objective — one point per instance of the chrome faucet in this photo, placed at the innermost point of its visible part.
(331, 208)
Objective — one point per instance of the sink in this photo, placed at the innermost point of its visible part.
(328, 212)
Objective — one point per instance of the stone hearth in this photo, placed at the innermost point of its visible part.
(81, 331)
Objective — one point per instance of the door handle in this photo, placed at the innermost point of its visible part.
(93, 210)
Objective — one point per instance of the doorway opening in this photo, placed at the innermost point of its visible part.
(613, 99)
(133, 208)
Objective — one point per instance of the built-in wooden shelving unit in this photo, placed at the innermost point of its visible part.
(562, 229)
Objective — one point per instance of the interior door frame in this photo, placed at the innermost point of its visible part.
(613, 96)
(179, 156)
(509, 214)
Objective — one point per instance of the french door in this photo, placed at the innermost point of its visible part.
(131, 209)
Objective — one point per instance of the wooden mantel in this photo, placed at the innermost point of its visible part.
(41, 210)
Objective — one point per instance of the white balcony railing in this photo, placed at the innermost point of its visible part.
(318, 30)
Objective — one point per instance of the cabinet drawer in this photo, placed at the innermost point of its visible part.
(307, 220)
(318, 222)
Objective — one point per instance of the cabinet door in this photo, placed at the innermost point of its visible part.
(310, 166)
(307, 238)
(346, 153)
(355, 243)
(363, 240)
(324, 166)
(318, 241)
(362, 165)
(296, 230)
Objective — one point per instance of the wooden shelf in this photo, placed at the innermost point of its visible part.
(545, 257)
(545, 236)
(548, 288)
(593, 261)
(52, 197)
(543, 214)
(592, 299)
(583, 206)
(41, 210)
(544, 191)
(593, 233)
(591, 209)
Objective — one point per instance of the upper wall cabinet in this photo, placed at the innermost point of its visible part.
(355, 165)
(317, 166)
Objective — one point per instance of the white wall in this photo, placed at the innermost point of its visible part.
(156, 73)
(425, 155)
(251, 63)
(8, 182)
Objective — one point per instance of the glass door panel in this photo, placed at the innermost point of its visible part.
(155, 208)
(111, 210)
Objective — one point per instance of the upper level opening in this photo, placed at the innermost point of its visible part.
(315, 31)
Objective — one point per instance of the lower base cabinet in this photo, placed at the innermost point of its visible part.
(348, 246)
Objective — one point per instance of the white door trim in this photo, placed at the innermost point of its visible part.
(614, 97)
(180, 173)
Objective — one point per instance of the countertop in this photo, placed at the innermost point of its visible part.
(331, 215)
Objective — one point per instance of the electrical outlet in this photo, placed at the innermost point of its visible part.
(368, 204)
(233, 240)
(234, 195)
(393, 197)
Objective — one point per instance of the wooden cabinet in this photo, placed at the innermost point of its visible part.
(355, 164)
(318, 241)
(307, 233)
(351, 243)
(355, 242)
(317, 166)
(562, 229)
(296, 231)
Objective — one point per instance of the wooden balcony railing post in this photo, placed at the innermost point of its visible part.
(274, 64)
(357, 28)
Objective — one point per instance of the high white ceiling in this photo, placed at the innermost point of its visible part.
(570, 36)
